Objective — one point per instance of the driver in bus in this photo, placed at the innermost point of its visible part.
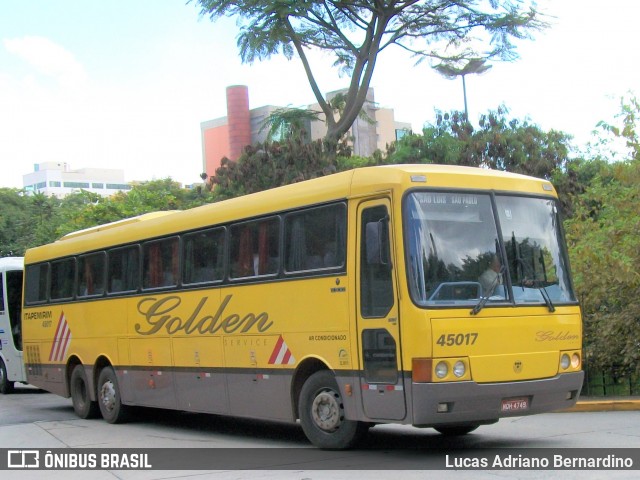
(491, 277)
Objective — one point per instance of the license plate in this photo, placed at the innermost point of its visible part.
(515, 405)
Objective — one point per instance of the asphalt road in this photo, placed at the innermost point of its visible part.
(33, 419)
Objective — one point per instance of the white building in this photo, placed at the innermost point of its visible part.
(57, 179)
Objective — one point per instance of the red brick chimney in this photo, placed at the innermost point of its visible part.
(238, 119)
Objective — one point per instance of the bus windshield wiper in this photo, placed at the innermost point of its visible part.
(538, 285)
(545, 295)
(483, 300)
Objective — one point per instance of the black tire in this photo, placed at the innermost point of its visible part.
(109, 399)
(456, 430)
(81, 395)
(6, 386)
(322, 414)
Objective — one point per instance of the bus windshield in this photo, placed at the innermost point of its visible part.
(458, 254)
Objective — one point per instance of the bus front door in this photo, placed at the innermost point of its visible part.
(381, 380)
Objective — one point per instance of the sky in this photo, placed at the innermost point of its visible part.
(125, 84)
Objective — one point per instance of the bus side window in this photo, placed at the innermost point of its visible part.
(63, 275)
(160, 261)
(124, 269)
(36, 284)
(254, 248)
(91, 274)
(203, 254)
(315, 239)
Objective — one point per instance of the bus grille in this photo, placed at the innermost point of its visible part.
(33, 364)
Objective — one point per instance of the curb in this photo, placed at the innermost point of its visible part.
(617, 405)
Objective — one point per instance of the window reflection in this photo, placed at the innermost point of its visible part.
(456, 256)
(453, 242)
(535, 259)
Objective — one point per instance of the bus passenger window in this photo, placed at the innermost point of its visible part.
(254, 248)
(63, 274)
(315, 239)
(160, 263)
(203, 254)
(91, 274)
(123, 269)
(36, 284)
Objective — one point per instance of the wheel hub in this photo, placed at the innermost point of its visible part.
(108, 396)
(326, 411)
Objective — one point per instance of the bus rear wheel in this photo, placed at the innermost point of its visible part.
(80, 396)
(322, 414)
(6, 386)
(109, 399)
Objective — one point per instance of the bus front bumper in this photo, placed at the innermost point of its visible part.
(470, 403)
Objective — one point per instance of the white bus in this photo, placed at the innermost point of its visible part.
(11, 365)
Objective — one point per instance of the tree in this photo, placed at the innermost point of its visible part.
(450, 70)
(26, 221)
(500, 143)
(356, 32)
(627, 132)
(605, 254)
(605, 248)
(290, 123)
(269, 165)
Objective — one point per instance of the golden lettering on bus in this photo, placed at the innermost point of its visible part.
(551, 336)
(162, 313)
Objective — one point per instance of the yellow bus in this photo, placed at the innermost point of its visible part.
(434, 296)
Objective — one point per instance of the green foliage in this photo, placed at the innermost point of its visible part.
(605, 253)
(573, 180)
(270, 165)
(31, 220)
(500, 143)
(605, 247)
(628, 115)
(86, 209)
(25, 220)
(290, 124)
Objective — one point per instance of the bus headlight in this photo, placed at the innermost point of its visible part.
(575, 360)
(442, 369)
(459, 369)
(565, 361)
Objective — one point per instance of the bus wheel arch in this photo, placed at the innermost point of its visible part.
(322, 416)
(81, 392)
(6, 386)
(109, 396)
(304, 370)
(72, 362)
(100, 363)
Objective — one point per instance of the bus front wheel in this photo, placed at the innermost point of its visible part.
(109, 400)
(322, 414)
(80, 397)
(6, 386)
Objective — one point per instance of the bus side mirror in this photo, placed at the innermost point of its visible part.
(376, 243)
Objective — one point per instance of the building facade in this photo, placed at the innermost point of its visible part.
(228, 136)
(59, 180)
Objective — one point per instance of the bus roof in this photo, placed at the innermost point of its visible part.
(119, 223)
(11, 263)
(321, 190)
